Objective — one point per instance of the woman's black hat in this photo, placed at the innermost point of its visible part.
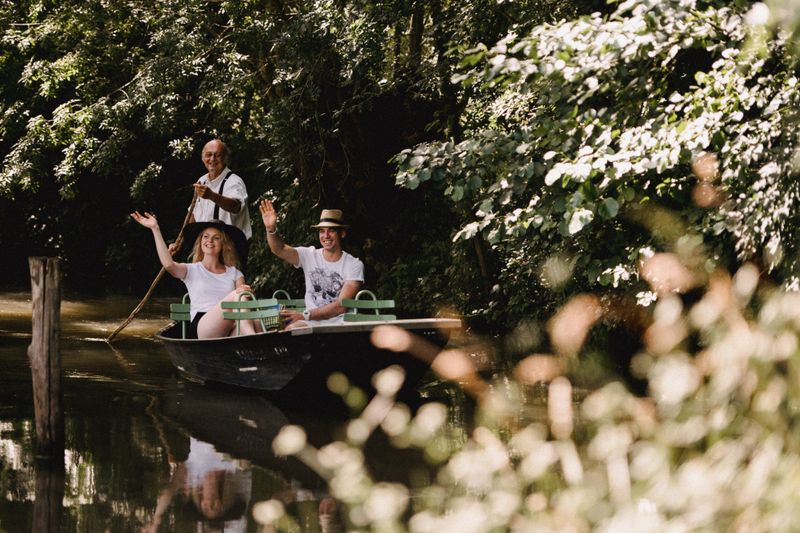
(193, 230)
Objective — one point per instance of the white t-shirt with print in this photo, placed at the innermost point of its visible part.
(205, 288)
(325, 279)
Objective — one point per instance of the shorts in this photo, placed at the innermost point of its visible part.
(191, 332)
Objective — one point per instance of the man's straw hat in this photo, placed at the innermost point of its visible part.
(331, 218)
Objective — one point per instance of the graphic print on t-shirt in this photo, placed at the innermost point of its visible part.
(326, 286)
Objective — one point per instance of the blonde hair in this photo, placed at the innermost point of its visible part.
(227, 257)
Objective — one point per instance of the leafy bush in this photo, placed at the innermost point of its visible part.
(584, 127)
(713, 447)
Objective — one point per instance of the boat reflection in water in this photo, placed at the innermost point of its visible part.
(219, 444)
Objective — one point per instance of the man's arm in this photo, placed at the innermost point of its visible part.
(232, 205)
(281, 249)
(335, 308)
(275, 242)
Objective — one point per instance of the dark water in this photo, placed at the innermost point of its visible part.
(145, 450)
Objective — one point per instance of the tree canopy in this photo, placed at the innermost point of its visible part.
(563, 147)
(105, 106)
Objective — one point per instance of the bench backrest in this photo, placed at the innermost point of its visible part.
(293, 304)
(181, 313)
(366, 307)
(267, 311)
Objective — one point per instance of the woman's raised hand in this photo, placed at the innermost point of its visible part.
(148, 220)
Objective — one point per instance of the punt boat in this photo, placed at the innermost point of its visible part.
(299, 361)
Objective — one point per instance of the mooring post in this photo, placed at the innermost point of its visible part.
(44, 355)
(48, 505)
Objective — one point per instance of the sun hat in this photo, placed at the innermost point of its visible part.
(194, 229)
(331, 218)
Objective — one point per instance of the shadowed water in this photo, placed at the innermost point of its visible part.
(145, 450)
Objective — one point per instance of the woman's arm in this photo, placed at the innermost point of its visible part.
(241, 286)
(148, 220)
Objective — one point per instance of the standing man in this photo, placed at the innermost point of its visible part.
(331, 273)
(221, 194)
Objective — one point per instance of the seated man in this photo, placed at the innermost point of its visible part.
(331, 273)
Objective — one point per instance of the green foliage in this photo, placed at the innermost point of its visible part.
(579, 127)
(104, 108)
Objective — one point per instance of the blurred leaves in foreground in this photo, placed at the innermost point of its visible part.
(713, 446)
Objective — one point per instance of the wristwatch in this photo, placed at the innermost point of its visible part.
(306, 314)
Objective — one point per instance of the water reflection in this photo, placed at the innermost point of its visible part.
(144, 449)
(84, 318)
(217, 442)
(240, 423)
(210, 488)
(49, 495)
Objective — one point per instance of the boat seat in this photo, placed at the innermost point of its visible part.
(266, 311)
(181, 313)
(367, 309)
(292, 304)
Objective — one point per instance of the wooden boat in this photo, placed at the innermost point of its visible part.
(299, 361)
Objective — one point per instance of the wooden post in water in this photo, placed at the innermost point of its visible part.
(44, 355)
(49, 494)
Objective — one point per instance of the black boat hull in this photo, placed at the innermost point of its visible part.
(300, 361)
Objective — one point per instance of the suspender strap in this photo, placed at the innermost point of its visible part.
(221, 188)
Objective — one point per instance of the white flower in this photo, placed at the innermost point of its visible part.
(290, 440)
(758, 14)
(429, 419)
(397, 420)
(337, 454)
(386, 502)
(673, 378)
(268, 512)
(389, 380)
(646, 298)
(358, 431)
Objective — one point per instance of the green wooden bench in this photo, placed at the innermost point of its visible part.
(292, 304)
(367, 309)
(181, 313)
(266, 310)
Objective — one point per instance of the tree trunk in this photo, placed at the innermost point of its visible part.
(415, 36)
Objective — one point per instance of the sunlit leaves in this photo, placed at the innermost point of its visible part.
(615, 108)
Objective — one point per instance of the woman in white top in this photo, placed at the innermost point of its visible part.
(212, 277)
